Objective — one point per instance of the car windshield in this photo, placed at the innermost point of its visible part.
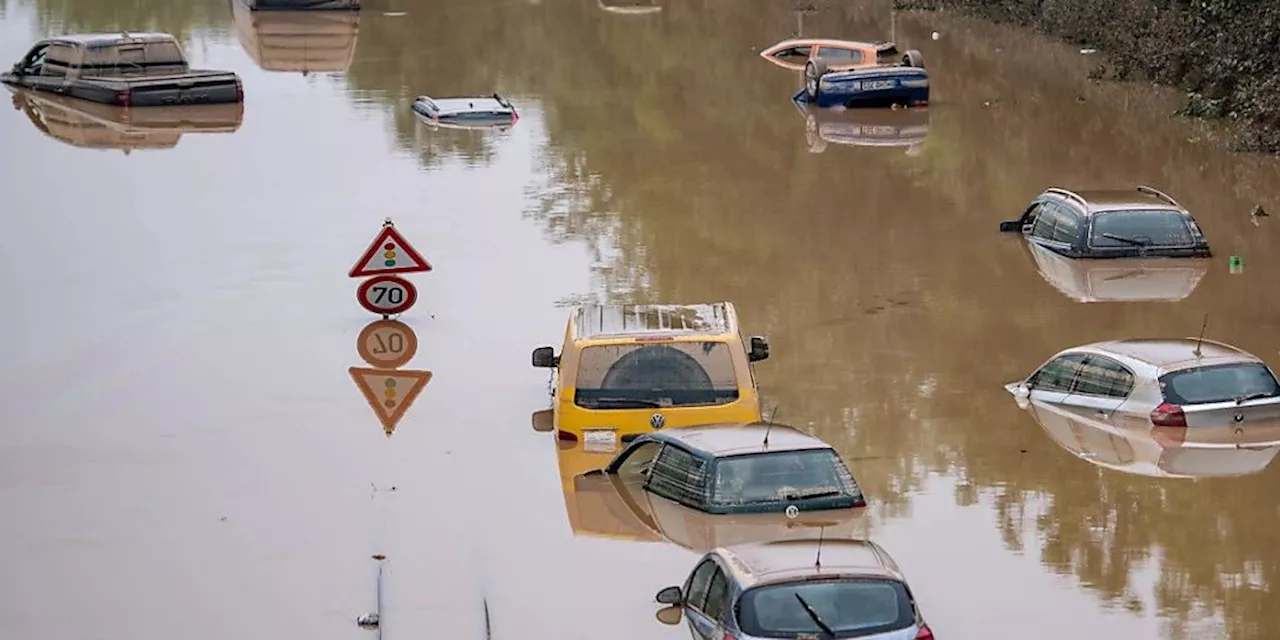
(1219, 383)
(785, 476)
(1150, 228)
(672, 374)
(849, 607)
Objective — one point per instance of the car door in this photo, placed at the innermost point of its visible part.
(695, 596)
(706, 619)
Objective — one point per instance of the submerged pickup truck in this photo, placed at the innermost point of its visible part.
(124, 69)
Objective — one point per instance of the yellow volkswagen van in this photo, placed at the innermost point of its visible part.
(630, 369)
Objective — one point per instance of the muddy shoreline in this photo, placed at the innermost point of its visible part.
(1224, 55)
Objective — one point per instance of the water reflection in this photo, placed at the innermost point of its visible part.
(606, 506)
(864, 127)
(89, 125)
(1134, 446)
(387, 345)
(297, 41)
(1131, 280)
(632, 7)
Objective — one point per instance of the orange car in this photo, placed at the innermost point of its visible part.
(839, 54)
(853, 74)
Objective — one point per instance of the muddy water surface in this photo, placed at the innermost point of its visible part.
(183, 448)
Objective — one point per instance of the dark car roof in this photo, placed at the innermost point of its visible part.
(722, 440)
(1095, 201)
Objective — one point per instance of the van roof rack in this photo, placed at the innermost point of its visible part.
(1159, 194)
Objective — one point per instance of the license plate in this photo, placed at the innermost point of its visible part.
(600, 440)
(875, 85)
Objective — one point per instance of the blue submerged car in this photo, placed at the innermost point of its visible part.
(864, 75)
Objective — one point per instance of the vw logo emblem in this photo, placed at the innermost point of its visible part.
(656, 421)
(1239, 417)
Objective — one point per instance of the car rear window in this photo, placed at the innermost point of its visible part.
(1219, 383)
(785, 476)
(1152, 228)
(850, 607)
(672, 374)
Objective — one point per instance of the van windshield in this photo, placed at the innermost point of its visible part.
(640, 375)
(851, 608)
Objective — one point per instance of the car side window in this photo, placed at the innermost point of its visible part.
(793, 52)
(837, 54)
(1030, 216)
(680, 476)
(695, 593)
(1058, 374)
(35, 58)
(1046, 218)
(1103, 376)
(638, 460)
(717, 593)
(1067, 224)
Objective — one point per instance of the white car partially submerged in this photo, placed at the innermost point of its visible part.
(468, 112)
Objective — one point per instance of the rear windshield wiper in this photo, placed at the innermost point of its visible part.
(812, 494)
(814, 615)
(639, 402)
(1253, 396)
(1129, 240)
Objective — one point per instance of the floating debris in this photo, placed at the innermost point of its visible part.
(368, 621)
(379, 556)
(395, 14)
(936, 35)
(1258, 212)
(1088, 51)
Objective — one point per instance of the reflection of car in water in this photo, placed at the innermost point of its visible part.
(626, 503)
(1134, 446)
(301, 41)
(630, 6)
(864, 127)
(1200, 393)
(630, 369)
(796, 589)
(293, 5)
(1136, 279)
(1139, 223)
(91, 125)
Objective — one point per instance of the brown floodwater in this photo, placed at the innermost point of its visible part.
(183, 450)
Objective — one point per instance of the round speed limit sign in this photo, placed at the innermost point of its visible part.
(387, 295)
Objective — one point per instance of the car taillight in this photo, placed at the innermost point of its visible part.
(925, 633)
(515, 117)
(565, 435)
(859, 503)
(123, 97)
(1168, 415)
(239, 91)
(729, 636)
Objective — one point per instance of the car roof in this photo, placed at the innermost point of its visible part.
(1172, 354)
(462, 104)
(734, 439)
(604, 321)
(1095, 201)
(763, 563)
(858, 44)
(105, 39)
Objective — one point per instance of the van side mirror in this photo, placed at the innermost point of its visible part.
(544, 420)
(759, 349)
(545, 357)
(670, 595)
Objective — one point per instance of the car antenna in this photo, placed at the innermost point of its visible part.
(817, 561)
(769, 427)
(1200, 340)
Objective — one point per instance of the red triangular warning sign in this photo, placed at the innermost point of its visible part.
(389, 253)
(390, 391)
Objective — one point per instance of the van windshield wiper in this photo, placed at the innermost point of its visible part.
(814, 615)
(1141, 243)
(637, 402)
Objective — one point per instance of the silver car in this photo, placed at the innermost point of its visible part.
(796, 589)
(1197, 391)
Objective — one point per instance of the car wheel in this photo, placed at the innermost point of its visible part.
(814, 69)
(913, 58)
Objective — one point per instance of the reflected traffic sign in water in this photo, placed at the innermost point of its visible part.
(387, 344)
(390, 392)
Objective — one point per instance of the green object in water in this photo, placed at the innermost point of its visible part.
(1237, 264)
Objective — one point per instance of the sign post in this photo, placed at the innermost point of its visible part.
(389, 253)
